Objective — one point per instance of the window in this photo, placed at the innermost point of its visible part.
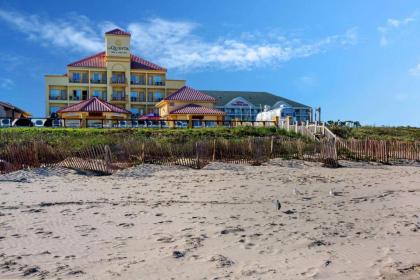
(76, 95)
(118, 95)
(158, 96)
(58, 94)
(84, 77)
(54, 109)
(150, 97)
(133, 96)
(142, 97)
(76, 77)
(118, 78)
(99, 94)
(96, 77)
(157, 80)
(135, 80)
(84, 95)
(134, 112)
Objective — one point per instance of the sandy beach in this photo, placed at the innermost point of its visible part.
(221, 222)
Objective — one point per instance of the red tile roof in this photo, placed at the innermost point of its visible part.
(189, 94)
(194, 109)
(140, 63)
(118, 31)
(98, 61)
(93, 104)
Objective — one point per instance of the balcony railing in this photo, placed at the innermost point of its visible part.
(98, 81)
(58, 97)
(157, 83)
(118, 81)
(118, 98)
(79, 81)
(137, 82)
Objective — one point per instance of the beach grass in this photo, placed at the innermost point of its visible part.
(403, 133)
(84, 137)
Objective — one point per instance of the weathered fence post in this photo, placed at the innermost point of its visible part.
(271, 146)
(214, 150)
(197, 157)
(142, 152)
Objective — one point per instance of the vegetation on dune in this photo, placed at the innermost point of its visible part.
(84, 137)
(378, 133)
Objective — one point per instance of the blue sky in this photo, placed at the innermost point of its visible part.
(358, 60)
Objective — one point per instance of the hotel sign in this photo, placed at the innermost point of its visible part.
(239, 102)
(119, 51)
(117, 48)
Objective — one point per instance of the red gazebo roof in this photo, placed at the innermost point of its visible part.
(194, 109)
(189, 94)
(93, 104)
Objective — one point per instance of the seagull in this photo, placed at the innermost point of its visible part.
(296, 192)
(278, 204)
(332, 192)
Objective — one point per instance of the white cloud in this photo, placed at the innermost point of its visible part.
(415, 71)
(6, 83)
(174, 44)
(391, 25)
(73, 33)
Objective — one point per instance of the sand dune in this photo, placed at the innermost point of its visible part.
(221, 222)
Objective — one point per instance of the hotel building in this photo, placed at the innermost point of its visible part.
(114, 75)
(245, 105)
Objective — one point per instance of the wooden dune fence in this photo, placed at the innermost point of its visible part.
(104, 159)
(376, 150)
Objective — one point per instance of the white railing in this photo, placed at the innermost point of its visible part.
(311, 130)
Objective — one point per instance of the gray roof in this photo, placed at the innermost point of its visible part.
(12, 107)
(255, 97)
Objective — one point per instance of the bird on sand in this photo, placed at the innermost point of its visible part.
(332, 192)
(278, 204)
(296, 192)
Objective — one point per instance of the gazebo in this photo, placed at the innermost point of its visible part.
(93, 109)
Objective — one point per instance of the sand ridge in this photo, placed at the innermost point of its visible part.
(221, 222)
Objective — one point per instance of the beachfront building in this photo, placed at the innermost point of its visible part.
(8, 110)
(114, 75)
(188, 104)
(245, 105)
(95, 110)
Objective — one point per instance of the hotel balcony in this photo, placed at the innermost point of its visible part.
(159, 83)
(79, 81)
(118, 82)
(137, 83)
(98, 81)
(53, 97)
(118, 98)
(136, 99)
